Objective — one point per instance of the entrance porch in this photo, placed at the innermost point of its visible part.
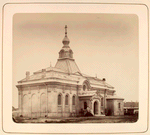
(90, 103)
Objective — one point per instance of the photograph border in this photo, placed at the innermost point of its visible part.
(81, 4)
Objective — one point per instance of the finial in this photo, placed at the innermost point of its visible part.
(104, 79)
(50, 64)
(65, 40)
(27, 75)
(95, 75)
(65, 30)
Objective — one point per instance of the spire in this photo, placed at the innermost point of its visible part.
(66, 51)
(66, 41)
(65, 60)
(65, 30)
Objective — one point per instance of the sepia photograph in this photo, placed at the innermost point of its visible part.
(75, 68)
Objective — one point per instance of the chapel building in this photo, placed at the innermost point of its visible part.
(64, 91)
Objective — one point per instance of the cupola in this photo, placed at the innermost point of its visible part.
(66, 51)
(65, 60)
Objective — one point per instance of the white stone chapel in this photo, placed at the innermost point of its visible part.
(64, 91)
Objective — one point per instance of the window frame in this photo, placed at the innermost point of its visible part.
(67, 100)
(102, 101)
(73, 100)
(119, 105)
(59, 101)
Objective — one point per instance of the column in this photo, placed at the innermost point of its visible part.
(29, 95)
(20, 101)
(104, 101)
(70, 99)
(46, 92)
(92, 107)
(70, 103)
(63, 100)
(99, 108)
(39, 100)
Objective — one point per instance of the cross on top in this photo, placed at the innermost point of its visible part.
(65, 29)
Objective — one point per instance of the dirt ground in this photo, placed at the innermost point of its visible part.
(94, 119)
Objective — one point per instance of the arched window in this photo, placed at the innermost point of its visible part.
(102, 101)
(59, 99)
(43, 102)
(84, 87)
(61, 53)
(66, 100)
(70, 53)
(119, 105)
(73, 100)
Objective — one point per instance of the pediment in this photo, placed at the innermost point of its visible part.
(98, 97)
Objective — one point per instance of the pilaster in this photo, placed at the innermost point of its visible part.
(70, 102)
(20, 101)
(30, 107)
(38, 96)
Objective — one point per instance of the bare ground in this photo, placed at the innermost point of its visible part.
(95, 119)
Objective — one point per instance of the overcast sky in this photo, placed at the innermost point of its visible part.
(103, 44)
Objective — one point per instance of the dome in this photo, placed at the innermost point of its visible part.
(66, 52)
(66, 40)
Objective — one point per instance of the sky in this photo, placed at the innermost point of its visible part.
(104, 45)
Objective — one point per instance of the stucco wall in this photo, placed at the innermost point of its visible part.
(117, 110)
(42, 101)
(113, 107)
(110, 107)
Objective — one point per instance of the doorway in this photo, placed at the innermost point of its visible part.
(95, 107)
(85, 105)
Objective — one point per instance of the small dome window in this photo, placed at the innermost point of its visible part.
(86, 85)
